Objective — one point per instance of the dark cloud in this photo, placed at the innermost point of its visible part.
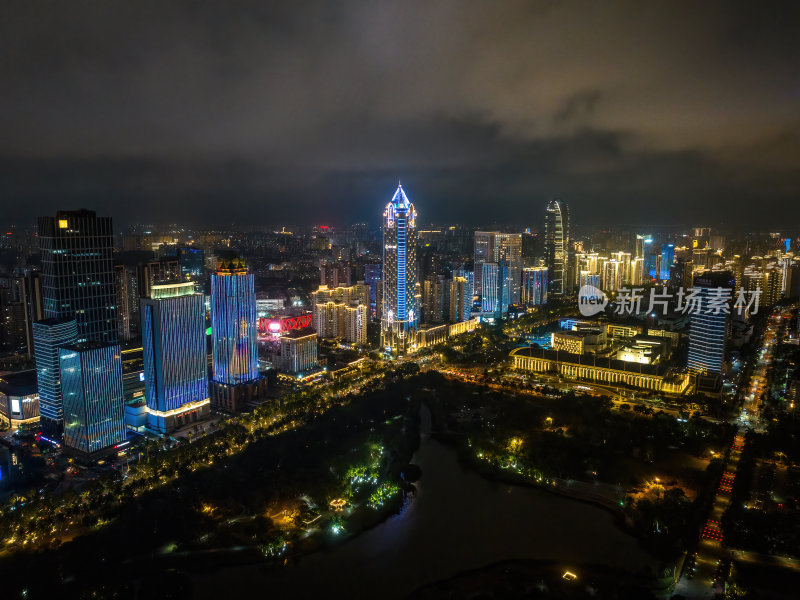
(200, 111)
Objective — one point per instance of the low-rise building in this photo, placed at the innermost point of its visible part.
(298, 352)
(430, 336)
(584, 367)
(19, 399)
(583, 338)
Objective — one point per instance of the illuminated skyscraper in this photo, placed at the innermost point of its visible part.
(642, 245)
(433, 299)
(235, 337)
(468, 295)
(494, 299)
(508, 249)
(556, 246)
(637, 271)
(534, 286)
(78, 272)
(48, 336)
(667, 258)
(484, 252)
(91, 381)
(174, 350)
(709, 322)
(233, 324)
(400, 310)
(125, 293)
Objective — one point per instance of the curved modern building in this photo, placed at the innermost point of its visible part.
(400, 304)
(556, 246)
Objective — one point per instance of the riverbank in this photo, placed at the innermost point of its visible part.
(456, 521)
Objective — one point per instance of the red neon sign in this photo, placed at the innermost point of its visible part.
(283, 324)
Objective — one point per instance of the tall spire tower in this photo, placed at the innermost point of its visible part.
(556, 247)
(400, 302)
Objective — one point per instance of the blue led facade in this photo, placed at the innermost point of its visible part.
(91, 380)
(233, 326)
(534, 286)
(667, 258)
(174, 352)
(495, 288)
(400, 301)
(708, 332)
(653, 265)
(48, 336)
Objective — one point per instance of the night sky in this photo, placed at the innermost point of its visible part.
(309, 112)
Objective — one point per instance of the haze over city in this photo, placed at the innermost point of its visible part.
(262, 112)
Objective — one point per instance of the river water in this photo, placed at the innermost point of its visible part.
(457, 521)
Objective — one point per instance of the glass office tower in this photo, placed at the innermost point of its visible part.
(708, 326)
(495, 289)
(78, 272)
(233, 324)
(91, 381)
(400, 303)
(48, 336)
(484, 252)
(556, 246)
(667, 259)
(469, 291)
(174, 350)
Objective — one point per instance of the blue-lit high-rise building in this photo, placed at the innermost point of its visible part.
(667, 258)
(174, 352)
(48, 336)
(534, 286)
(708, 321)
(399, 298)
(494, 300)
(91, 382)
(653, 266)
(78, 272)
(233, 324)
(234, 333)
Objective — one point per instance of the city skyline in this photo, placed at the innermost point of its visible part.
(363, 300)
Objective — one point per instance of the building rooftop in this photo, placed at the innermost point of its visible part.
(300, 333)
(172, 290)
(590, 360)
(88, 345)
(21, 383)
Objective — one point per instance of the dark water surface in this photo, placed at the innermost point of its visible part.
(457, 521)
